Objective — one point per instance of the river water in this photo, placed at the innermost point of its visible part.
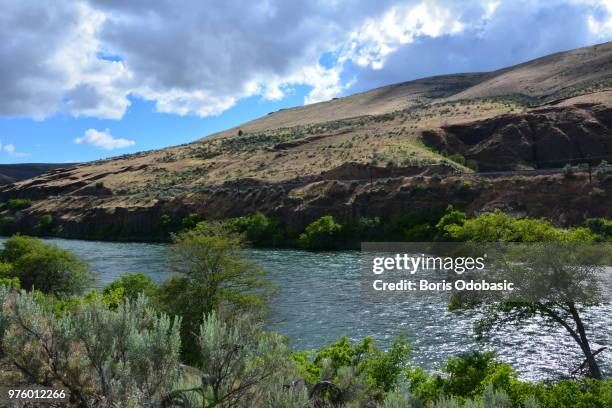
(319, 301)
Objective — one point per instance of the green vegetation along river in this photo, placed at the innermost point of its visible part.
(319, 301)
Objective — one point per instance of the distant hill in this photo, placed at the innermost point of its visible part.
(376, 153)
(10, 173)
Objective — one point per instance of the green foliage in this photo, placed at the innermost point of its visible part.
(557, 282)
(5, 292)
(457, 158)
(416, 226)
(6, 224)
(164, 222)
(190, 221)
(16, 204)
(129, 287)
(434, 224)
(501, 227)
(127, 357)
(6, 270)
(260, 230)
(321, 234)
(468, 375)
(600, 226)
(209, 275)
(375, 371)
(450, 217)
(44, 224)
(586, 393)
(19, 245)
(234, 358)
(365, 230)
(45, 267)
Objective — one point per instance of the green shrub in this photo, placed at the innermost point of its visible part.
(6, 224)
(128, 287)
(584, 393)
(362, 365)
(450, 217)
(44, 224)
(470, 373)
(467, 375)
(190, 221)
(235, 359)
(18, 245)
(164, 223)
(127, 357)
(457, 158)
(600, 226)
(365, 230)
(472, 164)
(321, 234)
(416, 226)
(16, 204)
(260, 230)
(45, 267)
(502, 227)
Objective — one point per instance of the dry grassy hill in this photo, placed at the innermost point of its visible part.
(10, 173)
(539, 114)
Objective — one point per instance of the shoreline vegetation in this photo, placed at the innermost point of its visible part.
(197, 339)
(437, 224)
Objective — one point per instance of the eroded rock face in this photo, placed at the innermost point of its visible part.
(540, 138)
(566, 201)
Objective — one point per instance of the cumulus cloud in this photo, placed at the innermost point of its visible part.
(103, 140)
(492, 36)
(49, 63)
(200, 58)
(11, 150)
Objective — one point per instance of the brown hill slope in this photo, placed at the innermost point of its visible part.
(10, 173)
(540, 114)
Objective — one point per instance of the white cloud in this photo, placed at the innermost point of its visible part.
(50, 62)
(12, 151)
(103, 140)
(379, 37)
(87, 58)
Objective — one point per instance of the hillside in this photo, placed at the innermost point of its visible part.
(342, 156)
(10, 173)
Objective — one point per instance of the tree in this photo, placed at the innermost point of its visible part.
(554, 281)
(210, 274)
(321, 234)
(18, 245)
(45, 267)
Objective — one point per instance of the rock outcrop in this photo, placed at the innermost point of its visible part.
(540, 138)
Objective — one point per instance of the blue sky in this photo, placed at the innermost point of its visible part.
(83, 80)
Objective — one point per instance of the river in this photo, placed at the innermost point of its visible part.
(319, 301)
